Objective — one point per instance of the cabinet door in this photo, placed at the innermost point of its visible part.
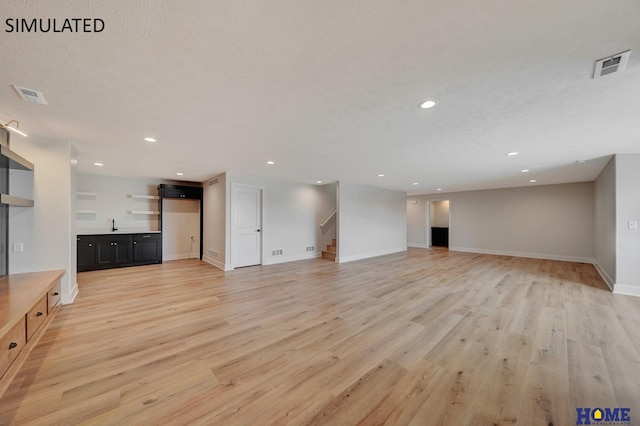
(122, 250)
(86, 253)
(104, 252)
(146, 248)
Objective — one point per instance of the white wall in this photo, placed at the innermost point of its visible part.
(290, 217)
(416, 223)
(627, 169)
(371, 221)
(113, 201)
(440, 217)
(215, 216)
(549, 221)
(180, 222)
(46, 230)
(605, 223)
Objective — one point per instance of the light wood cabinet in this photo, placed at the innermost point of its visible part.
(28, 302)
(36, 316)
(11, 344)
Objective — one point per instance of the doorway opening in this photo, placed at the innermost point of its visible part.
(438, 221)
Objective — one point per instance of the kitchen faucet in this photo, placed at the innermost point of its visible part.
(113, 225)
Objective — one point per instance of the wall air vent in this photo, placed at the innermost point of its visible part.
(213, 181)
(612, 64)
(31, 95)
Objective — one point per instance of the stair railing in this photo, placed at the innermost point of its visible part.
(331, 215)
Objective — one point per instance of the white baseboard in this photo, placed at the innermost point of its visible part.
(68, 299)
(284, 259)
(215, 262)
(629, 290)
(607, 279)
(344, 259)
(417, 245)
(180, 256)
(525, 254)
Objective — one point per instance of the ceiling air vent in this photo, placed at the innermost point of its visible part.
(31, 95)
(213, 181)
(612, 64)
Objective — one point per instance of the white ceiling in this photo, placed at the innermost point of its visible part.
(330, 90)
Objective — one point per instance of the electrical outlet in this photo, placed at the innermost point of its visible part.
(633, 224)
(18, 248)
(277, 252)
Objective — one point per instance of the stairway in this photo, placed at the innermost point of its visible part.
(330, 253)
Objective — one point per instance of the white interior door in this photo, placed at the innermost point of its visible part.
(246, 226)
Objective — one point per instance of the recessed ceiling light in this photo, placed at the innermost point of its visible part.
(581, 161)
(524, 171)
(532, 180)
(318, 181)
(428, 104)
(271, 163)
(511, 154)
(150, 140)
(415, 183)
(98, 164)
(439, 189)
(380, 175)
(180, 174)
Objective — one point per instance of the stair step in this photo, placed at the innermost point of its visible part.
(333, 241)
(331, 249)
(329, 255)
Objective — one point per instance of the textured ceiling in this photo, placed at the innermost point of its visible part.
(329, 90)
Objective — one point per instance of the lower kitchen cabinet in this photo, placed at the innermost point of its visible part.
(147, 248)
(86, 252)
(106, 251)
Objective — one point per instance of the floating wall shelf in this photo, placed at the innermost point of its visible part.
(85, 211)
(85, 194)
(150, 212)
(15, 201)
(145, 197)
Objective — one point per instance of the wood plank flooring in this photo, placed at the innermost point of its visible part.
(417, 338)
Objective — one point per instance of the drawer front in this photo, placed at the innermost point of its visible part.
(36, 316)
(54, 297)
(11, 344)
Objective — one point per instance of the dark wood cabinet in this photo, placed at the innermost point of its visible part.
(439, 236)
(86, 252)
(113, 250)
(180, 191)
(147, 248)
(116, 250)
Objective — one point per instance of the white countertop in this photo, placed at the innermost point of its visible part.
(119, 231)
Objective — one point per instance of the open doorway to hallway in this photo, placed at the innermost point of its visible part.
(439, 221)
(428, 223)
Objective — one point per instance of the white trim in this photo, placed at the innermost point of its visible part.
(180, 256)
(628, 290)
(417, 245)
(74, 293)
(344, 259)
(283, 259)
(607, 279)
(525, 254)
(214, 262)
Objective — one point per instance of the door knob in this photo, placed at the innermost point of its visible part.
(257, 230)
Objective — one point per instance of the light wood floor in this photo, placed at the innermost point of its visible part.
(424, 337)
